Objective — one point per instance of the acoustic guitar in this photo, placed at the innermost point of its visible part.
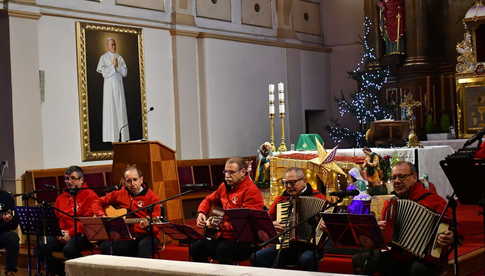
(118, 212)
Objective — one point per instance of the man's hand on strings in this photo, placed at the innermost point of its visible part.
(144, 223)
(201, 220)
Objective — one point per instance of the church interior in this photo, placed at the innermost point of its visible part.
(176, 91)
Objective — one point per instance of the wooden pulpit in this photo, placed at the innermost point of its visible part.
(159, 167)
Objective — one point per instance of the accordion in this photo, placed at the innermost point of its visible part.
(415, 228)
(299, 212)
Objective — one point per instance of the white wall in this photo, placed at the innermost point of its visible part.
(27, 121)
(60, 111)
(237, 77)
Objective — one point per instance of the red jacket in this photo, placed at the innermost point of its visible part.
(245, 195)
(84, 202)
(285, 197)
(428, 198)
(123, 199)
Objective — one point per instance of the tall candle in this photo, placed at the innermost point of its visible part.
(271, 109)
(271, 88)
(282, 108)
(281, 87)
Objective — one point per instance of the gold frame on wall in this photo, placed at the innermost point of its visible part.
(462, 83)
(89, 153)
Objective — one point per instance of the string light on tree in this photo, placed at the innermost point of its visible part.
(364, 104)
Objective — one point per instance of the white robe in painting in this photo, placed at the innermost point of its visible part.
(114, 103)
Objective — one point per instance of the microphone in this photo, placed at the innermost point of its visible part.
(50, 186)
(73, 191)
(476, 137)
(112, 189)
(345, 193)
(151, 109)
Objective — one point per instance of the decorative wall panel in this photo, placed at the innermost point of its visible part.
(306, 17)
(257, 13)
(145, 4)
(214, 9)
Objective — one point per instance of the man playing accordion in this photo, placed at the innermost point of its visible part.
(299, 253)
(397, 261)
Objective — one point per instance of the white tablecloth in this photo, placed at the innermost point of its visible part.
(455, 144)
(105, 265)
(428, 162)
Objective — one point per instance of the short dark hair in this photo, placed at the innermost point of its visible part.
(72, 169)
(299, 171)
(241, 163)
(411, 166)
(133, 167)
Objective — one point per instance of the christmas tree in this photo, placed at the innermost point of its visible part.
(364, 104)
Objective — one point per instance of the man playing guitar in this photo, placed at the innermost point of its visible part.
(134, 194)
(237, 191)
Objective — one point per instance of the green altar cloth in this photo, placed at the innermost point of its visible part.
(307, 141)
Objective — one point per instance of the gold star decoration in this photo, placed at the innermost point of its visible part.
(325, 160)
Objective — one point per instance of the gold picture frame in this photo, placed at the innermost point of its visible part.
(91, 43)
(470, 105)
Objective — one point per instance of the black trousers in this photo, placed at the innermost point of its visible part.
(71, 249)
(139, 247)
(222, 250)
(373, 261)
(10, 241)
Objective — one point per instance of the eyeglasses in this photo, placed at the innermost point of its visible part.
(291, 182)
(224, 172)
(401, 177)
(67, 178)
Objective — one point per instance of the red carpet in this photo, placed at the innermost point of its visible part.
(469, 225)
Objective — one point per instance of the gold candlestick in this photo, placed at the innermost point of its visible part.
(409, 103)
(282, 146)
(271, 130)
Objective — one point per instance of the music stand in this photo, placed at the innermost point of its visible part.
(251, 226)
(353, 231)
(101, 229)
(180, 232)
(38, 221)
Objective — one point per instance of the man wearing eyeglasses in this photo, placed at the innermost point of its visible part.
(72, 241)
(237, 191)
(299, 253)
(134, 195)
(396, 262)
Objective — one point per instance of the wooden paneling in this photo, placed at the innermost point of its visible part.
(306, 18)
(145, 4)
(214, 9)
(257, 13)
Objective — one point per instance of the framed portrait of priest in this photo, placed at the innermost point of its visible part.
(112, 98)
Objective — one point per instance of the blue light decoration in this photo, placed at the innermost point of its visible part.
(364, 104)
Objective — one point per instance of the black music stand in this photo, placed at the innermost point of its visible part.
(353, 231)
(465, 174)
(101, 229)
(38, 221)
(251, 226)
(180, 232)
